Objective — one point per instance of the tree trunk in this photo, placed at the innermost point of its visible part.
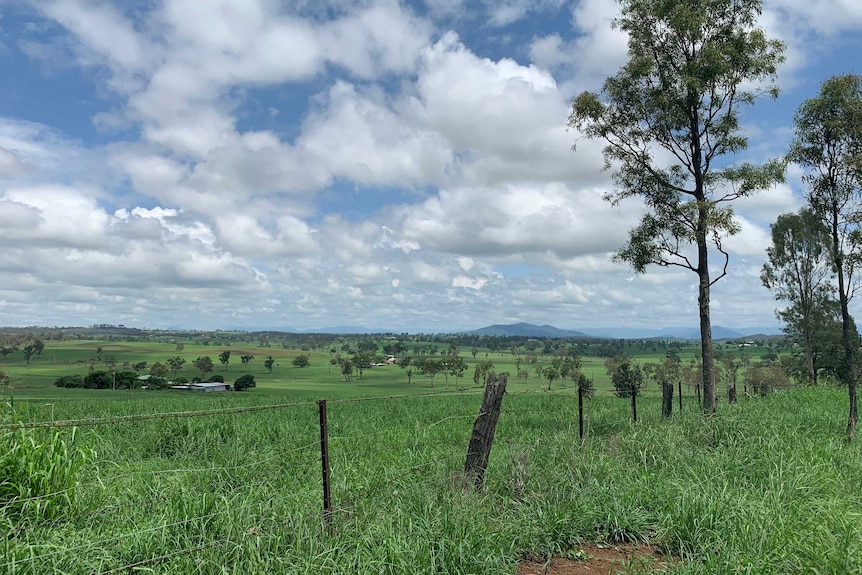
(708, 373)
(849, 371)
(666, 400)
(809, 355)
(731, 394)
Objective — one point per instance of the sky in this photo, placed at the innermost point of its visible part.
(299, 164)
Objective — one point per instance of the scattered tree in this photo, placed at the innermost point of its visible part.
(204, 364)
(268, 363)
(301, 360)
(176, 364)
(246, 358)
(689, 71)
(244, 383)
(224, 358)
(799, 272)
(827, 145)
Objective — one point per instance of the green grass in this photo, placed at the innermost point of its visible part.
(766, 487)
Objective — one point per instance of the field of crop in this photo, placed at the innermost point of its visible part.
(204, 484)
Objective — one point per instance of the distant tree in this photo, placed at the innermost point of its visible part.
(474, 351)
(481, 371)
(268, 363)
(361, 361)
(246, 358)
(39, 347)
(301, 360)
(5, 351)
(139, 366)
(176, 364)
(204, 364)
(29, 351)
(69, 381)
(158, 376)
(431, 367)
(180, 347)
(125, 380)
(550, 373)
(799, 272)
(346, 369)
(224, 358)
(98, 380)
(454, 365)
(217, 378)
(245, 382)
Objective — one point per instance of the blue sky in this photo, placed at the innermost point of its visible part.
(399, 165)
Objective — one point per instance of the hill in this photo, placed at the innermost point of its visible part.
(527, 330)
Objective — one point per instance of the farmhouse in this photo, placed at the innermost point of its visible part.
(203, 386)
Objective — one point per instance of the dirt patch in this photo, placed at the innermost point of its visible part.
(598, 559)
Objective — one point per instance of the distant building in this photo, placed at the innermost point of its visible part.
(203, 386)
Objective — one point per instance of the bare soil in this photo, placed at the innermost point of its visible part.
(599, 559)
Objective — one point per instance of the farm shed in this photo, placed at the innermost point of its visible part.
(204, 386)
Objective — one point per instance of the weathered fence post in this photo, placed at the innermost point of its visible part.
(679, 388)
(483, 431)
(634, 395)
(666, 399)
(580, 413)
(324, 460)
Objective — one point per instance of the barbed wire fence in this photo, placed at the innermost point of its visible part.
(331, 469)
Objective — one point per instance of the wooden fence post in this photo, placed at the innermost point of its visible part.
(580, 413)
(483, 431)
(667, 399)
(324, 460)
(679, 388)
(634, 395)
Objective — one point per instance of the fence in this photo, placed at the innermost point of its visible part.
(208, 485)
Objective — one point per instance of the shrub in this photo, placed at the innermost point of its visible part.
(217, 379)
(69, 381)
(245, 382)
(38, 471)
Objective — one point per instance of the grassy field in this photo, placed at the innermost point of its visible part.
(768, 486)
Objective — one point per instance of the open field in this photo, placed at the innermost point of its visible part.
(768, 486)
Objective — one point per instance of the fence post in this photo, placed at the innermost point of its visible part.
(580, 413)
(483, 431)
(324, 460)
(634, 395)
(666, 399)
(679, 388)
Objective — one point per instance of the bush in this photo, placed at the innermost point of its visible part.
(181, 380)
(39, 471)
(217, 379)
(245, 382)
(301, 361)
(69, 381)
(98, 380)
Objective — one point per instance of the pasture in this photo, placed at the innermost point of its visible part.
(767, 486)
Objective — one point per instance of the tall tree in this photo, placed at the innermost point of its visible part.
(204, 364)
(799, 272)
(828, 146)
(670, 120)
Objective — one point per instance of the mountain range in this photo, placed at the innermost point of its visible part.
(689, 333)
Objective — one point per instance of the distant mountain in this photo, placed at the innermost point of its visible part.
(344, 329)
(688, 333)
(527, 330)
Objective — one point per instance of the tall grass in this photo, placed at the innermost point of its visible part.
(768, 486)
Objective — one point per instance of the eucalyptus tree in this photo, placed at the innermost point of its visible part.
(828, 146)
(799, 271)
(670, 120)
